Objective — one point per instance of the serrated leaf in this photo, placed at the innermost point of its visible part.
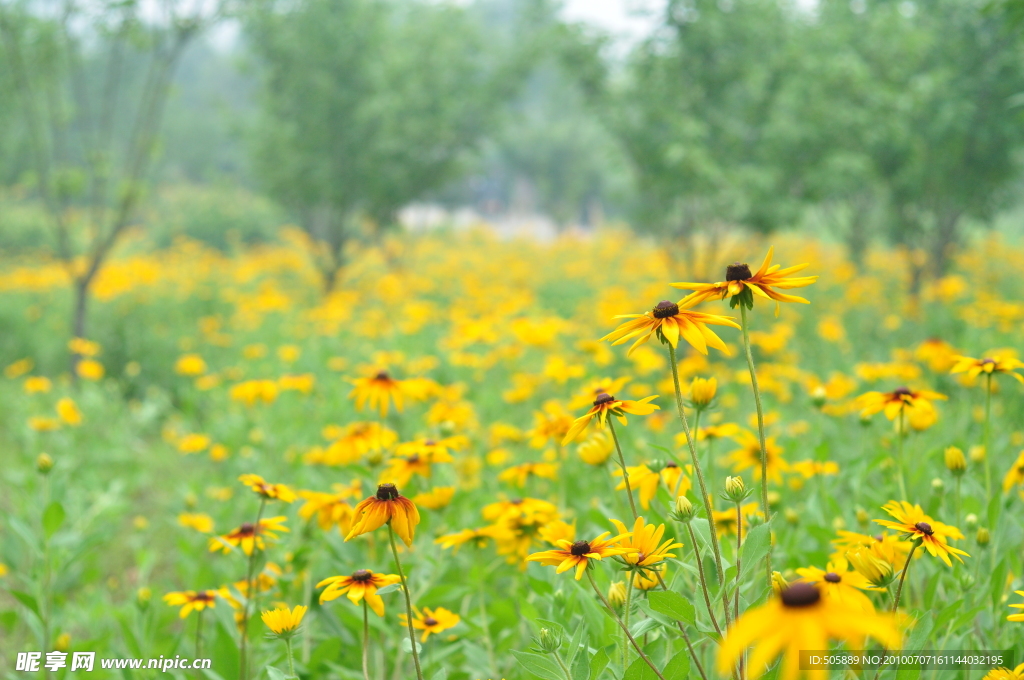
(539, 665)
(672, 604)
(53, 518)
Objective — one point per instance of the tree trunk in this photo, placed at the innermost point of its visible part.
(79, 319)
(943, 242)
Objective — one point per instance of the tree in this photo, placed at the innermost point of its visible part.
(366, 106)
(91, 82)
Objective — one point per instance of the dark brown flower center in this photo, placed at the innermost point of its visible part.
(924, 528)
(430, 621)
(800, 595)
(414, 458)
(203, 597)
(987, 361)
(737, 271)
(671, 464)
(665, 309)
(362, 575)
(430, 442)
(247, 529)
(603, 398)
(902, 392)
(382, 375)
(387, 492)
(580, 548)
(833, 577)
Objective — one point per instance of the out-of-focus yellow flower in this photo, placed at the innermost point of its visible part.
(252, 391)
(89, 369)
(937, 353)
(702, 391)
(43, 424)
(37, 383)
(83, 347)
(276, 492)
(190, 365)
(988, 366)
(606, 405)
(289, 353)
(297, 383)
(196, 520)
(250, 536)
(518, 474)
(190, 600)
(193, 443)
(435, 499)
(597, 448)
(18, 368)
(68, 411)
(284, 621)
(901, 400)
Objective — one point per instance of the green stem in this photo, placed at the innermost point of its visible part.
(250, 597)
(488, 642)
(291, 658)
(957, 497)
(561, 664)
(625, 630)
(199, 635)
(686, 638)
(408, 603)
(704, 498)
(622, 465)
(903, 577)
(626, 612)
(739, 545)
(900, 436)
(366, 641)
(703, 580)
(760, 434)
(988, 454)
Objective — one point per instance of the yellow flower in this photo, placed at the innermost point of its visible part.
(379, 392)
(645, 539)
(278, 492)
(90, 369)
(518, 474)
(37, 383)
(252, 391)
(190, 364)
(801, 619)
(361, 585)
(431, 621)
(748, 456)
(934, 535)
(249, 536)
(811, 468)
(702, 391)
(190, 600)
(646, 481)
(68, 411)
(284, 621)
(739, 280)
(877, 571)
(198, 521)
(1005, 673)
(1015, 475)
(837, 581)
(606, 404)
(597, 448)
(937, 353)
(435, 499)
(670, 320)
(1017, 617)
(589, 392)
(900, 400)
(42, 424)
(193, 443)
(387, 506)
(989, 365)
(19, 368)
(578, 555)
(303, 383)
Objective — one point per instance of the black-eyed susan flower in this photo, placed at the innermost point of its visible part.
(670, 321)
(361, 585)
(273, 492)
(589, 392)
(645, 539)
(518, 474)
(250, 536)
(387, 506)
(646, 481)
(838, 581)
(702, 392)
(725, 520)
(435, 499)
(1017, 617)
(988, 366)
(597, 448)
(432, 621)
(901, 400)
(401, 468)
(379, 392)
(67, 411)
(550, 424)
(801, 619)
(748, 456)
(201, 522)
(330, 509)
(479, 537)
(1005, 673)
(284, 621)
(1015, 475)
(578, 554)
(606, 405)
(878, 571)
(741, 285)
(917, 526)
(191, 600)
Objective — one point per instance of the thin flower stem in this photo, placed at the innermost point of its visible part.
(366, 641)
(686, 638)
(408, 603)
(703, 582)
(626, 612)
(957, 515)
(700, 474)
(250, 596)
(899, 453)
(488, 642)
(625, 630)
(622, 465)
(760, 435)
(199, 637)
(903, 577)
(291, 660)
(739, 545)
(561, 664)
(988, 419)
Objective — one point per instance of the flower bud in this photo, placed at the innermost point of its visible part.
(549, 640)
(938, 485)
(63, 642)
(955, 461)
(735, 490)
(684, 510)
(871, 567)
(792, 516)
(983, 537)
(702, 391)
(862, 516)
(819, 396)
(971, 521)
(838, 523)
(779, 583)
(617, 594)
(977, 454)
(774, 498)
(44, 463)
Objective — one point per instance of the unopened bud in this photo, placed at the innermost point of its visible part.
(819, 396)
(792, 516)
(938, 485)
(617, 594)
(977, 454)
(549, 640)
(702, 391)
(779, 583)
(971, 521)
(871, 567)
(955, 461)
(735, 490)
(839, 524)
(684, 510)
(862, 516)
(983, 537)
(44, 463)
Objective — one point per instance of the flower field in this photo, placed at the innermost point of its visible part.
(460, 464)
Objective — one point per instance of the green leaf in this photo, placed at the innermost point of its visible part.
(908, 673)
(389, 588)
(539, 665)
(999, 582)
(53, 518)
(407, 646)
(679, 667)
(599, 663)
(27, 600)
(757, 544)
(442, 674)
(276, 673)
(639, 670)
(672, 604)
(581, 667)
(540, 587)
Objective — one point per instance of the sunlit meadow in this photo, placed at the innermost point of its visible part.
(248, 471)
